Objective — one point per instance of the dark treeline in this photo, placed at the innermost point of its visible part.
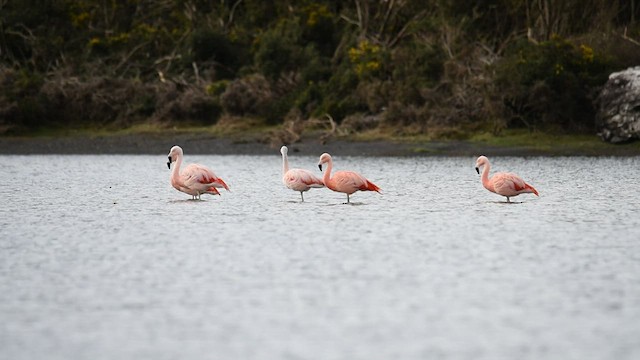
(436, 67)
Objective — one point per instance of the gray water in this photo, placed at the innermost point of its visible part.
(101, 259)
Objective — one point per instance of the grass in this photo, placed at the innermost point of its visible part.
(234, 128)
(254, 130)
(522, 140)
(557, 144)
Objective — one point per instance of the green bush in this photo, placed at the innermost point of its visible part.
(550, 84)
(214, 49)
(416, 65)
(277, 53)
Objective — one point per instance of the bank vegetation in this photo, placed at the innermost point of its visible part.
(433, 68)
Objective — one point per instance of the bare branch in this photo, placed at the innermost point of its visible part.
(633, 41)
(126, 58)
(196, 72)
(350, 21)
(404, 29)
(386, 17)
(231, 13)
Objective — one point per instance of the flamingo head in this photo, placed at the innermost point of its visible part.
(482, 161)
(324, 158)
(175, 152)
(284, 150)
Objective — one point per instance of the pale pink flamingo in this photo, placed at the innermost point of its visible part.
(194, 179)
(298, 179)
(501, 183)
(346, 182)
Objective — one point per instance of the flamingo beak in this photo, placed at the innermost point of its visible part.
(169, 162)
(478, 170)
(320, 167)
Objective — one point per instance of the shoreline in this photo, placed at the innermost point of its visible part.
(204, 143)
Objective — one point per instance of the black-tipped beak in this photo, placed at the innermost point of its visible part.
(169, 162)
(478, 170)
(320, 167)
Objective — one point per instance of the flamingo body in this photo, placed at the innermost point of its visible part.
(347, 182)
(502, 183)
(300, 180)
(194, 179)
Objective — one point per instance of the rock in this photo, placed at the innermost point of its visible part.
(618, 115)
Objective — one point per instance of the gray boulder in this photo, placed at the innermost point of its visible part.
(618, 115)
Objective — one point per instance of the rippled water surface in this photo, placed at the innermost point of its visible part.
(101, 259)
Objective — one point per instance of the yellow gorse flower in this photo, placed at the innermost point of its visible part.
(587, 53)
(558, 69)
(365, 57)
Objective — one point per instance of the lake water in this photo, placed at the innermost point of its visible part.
(100, 258)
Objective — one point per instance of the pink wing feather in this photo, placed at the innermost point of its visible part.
(350, 181)
(198, 174)
(509, 184)
(301, 180)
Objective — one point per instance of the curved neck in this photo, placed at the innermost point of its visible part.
(175, 172)
(285, 164)
(327, 173)
(485, 174)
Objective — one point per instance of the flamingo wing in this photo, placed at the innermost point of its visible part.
(305, 177)
(349, 182)
(196, 175)
(509, 184)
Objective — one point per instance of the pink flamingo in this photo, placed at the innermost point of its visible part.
(505, 184)
(195, 179)
(298, 179)
(346, 182)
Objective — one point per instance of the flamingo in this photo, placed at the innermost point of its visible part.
(346, 182)
(194, 179)
(298, 179)
(501, 183)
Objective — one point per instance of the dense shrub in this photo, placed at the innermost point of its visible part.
(430, 66)
(250, 95)
(551, 84)
(215, 50)
(30, 102)
(186, 105)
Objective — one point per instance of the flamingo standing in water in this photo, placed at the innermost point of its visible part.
(298, 179)
(346, 182)
(501, 183)
(194, 179)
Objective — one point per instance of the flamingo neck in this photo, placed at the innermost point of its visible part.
(285, 164)
(485, 176)
(327, 174)
(175, 172)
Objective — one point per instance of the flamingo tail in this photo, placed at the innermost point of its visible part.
(533, 190)
(371, 187)
(213, 191)
(221, 182)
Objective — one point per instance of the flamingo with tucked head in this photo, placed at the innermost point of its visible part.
(298, 179)
(501, 183)
(346, 182)
(194, 179)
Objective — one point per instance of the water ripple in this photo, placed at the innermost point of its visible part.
(100, 258)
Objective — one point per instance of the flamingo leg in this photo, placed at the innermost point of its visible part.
(302, 196)
(508, 199)
(347, 198)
